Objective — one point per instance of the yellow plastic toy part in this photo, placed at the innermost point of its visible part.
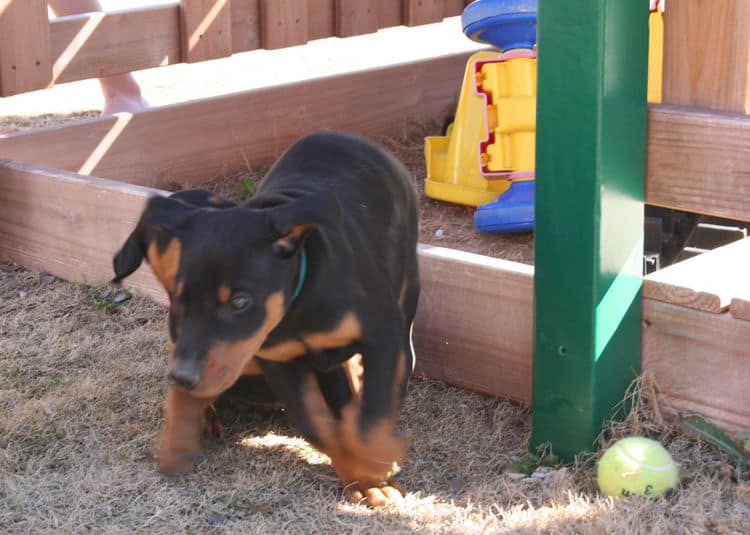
(655, 55)
(492, 138)
(510, 86)
(493, 133)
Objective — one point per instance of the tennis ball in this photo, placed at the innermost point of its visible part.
(637, 466)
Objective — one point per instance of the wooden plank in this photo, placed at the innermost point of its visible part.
(707, 54)
(705, 282)
(69, 225)
(192, 142)
(205, 29)
(474, 326)
(390, 13)
(25, 59)
(321, 19)
(699, 161)
(355, 17)
(101, 44)
(283, 23)
(740, 308)
(452, 8)
(98, 44)
(701, 362)
(245, 25)
(418, 12)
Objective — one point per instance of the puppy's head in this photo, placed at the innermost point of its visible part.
(230, 274)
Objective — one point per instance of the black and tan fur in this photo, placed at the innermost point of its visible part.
(231, 271)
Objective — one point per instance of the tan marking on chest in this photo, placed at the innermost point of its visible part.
(283, 351)
(344, 333)
(165, 265)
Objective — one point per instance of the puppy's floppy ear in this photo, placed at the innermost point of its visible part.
(154, 238)
(293, 222)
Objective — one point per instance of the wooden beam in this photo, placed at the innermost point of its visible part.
(474, 326)
(245, 25)
(283, 23)
(101, 44)
(355, 17)
(25, 58)
(422, 11)
(205, 29)
(699, 161)
(192, 142)
(98, 44)
(452, 8)
(390, 13)
(705, 282)
(69, 225)
(321, 19)
(701, 362)
(740, 308)
(707, 54)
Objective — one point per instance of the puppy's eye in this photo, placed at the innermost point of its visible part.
(240, 302)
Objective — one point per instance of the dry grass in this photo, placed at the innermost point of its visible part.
(81, 388)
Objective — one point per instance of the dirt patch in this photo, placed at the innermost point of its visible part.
(81, 389)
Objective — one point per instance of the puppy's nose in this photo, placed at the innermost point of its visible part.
(187, 377)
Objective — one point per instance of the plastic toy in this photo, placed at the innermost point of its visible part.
(488, 156)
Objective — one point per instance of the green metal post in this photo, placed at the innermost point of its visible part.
(590, 166)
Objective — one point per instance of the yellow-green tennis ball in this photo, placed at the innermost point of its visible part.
(637, 466)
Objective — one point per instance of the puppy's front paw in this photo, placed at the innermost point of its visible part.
(386, 493)
(171, 462)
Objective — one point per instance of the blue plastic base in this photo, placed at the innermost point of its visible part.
(506, 24)
(513, 211)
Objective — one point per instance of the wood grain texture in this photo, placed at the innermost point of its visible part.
(452, 8)
(283, 23)
(422, 11)
(707, 54)
(474, 326)
(69, 225)
(205, 29)
(390, 13)
(705, 282)
(192, 142)
(355, 17)
(701, 362)
(740, 307)
(699, 161)
(321, 19)
(25, 46)
(98, 44)
(245, 25)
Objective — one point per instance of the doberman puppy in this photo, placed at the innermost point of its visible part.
(318, 266)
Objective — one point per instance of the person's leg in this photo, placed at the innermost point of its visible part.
(121, 92)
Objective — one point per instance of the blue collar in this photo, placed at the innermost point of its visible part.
(302, 273)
